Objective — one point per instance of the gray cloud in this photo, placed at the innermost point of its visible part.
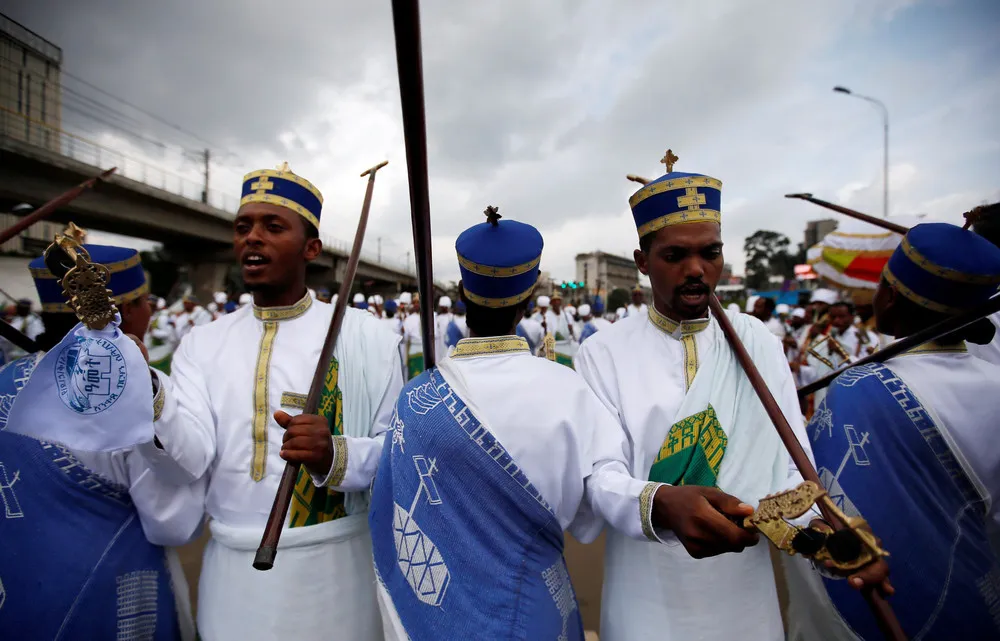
(543, 107)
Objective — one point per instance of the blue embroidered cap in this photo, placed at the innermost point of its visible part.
(676, 198)
(282, 187)
(127, 281)
(944, 268)
(499, 261)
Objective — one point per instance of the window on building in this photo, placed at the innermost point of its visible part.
(24, 57)
(20, 92)
(27, 107)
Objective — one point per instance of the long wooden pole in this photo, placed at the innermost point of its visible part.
(878, 222)
(925, 335)
(887, 621)
(49, 207)
(406, 23)
(14, 335)
(268, 549)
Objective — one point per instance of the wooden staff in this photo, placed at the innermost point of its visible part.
(887, 621)
(932, 333)
(878, 222)
(49, 207)
(264, 559)
(17, 338)
(406, 24)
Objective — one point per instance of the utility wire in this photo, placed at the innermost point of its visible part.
(145, 112)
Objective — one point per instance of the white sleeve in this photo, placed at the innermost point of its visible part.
(355, 459)
(171, 515)
(612, 493)
(184, 424)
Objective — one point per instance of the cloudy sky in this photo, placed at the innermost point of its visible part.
(541, 108)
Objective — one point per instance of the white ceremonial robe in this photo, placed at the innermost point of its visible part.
(31, 326)
(533, 332)
(559, 447)
(636, 310)
(962, 394)
(776, 327)
(185, 322)
(991, 351)
(322, 582)
(646, 376)
(441, 322)
(412, 336)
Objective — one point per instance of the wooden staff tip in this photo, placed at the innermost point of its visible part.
(374, 169)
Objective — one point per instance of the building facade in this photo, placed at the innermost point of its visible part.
(30, 86)
(816, 230)
(603, 272)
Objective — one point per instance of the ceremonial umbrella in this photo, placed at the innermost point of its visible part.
(852, 257)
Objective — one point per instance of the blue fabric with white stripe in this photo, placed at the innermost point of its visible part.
(464, 544)
(880, 454)
(75, 561)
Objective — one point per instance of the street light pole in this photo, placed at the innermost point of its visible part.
(885, 143)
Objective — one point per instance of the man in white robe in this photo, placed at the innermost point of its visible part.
(106, 481)
(910, 445)
(442, 319)
(413, 338)
(26, 322)
(695, 430)
(486, 472)
(192, 316)
(638, 305)
(232, 412)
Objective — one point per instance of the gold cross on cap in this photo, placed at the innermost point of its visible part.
(669, 159)
(262, 186)
(284, 167)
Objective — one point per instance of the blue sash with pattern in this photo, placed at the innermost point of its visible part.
(880, 454)
(464, 544)
(74, 561)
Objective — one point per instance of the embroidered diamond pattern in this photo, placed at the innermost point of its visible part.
(419, 559)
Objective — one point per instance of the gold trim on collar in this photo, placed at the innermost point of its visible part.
(497, 303)
(498, 272)
(915, 297)
(114, 268)
(468, 347)
(671, 326)
(284, 313)
(944, 272)
(934, 347)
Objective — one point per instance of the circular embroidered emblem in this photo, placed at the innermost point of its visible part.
(90, 375)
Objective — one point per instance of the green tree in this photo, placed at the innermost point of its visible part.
(767, 255)
(618, 297)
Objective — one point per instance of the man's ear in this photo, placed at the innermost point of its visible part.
(313, 248)
(641, 262)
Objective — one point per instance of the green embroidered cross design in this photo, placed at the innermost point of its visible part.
(692, 451)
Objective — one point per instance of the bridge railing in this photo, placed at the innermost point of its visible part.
(41, 134)
(34, 132)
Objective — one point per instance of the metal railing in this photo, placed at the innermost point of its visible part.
(34, 132)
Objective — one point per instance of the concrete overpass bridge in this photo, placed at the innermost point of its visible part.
(197, 236)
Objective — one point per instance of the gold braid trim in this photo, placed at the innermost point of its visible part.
(646, 510)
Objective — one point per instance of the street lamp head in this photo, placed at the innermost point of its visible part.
(840, 89)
